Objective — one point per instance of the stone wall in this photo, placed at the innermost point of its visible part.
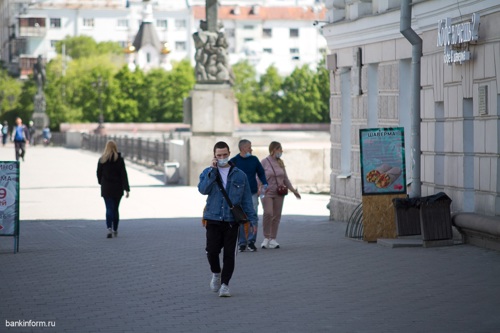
(459, 144)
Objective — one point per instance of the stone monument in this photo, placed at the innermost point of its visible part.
(212, 109)
(39, 117)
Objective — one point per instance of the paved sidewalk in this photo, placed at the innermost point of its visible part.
(154, 277)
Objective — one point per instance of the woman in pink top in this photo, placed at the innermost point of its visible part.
(272, 203)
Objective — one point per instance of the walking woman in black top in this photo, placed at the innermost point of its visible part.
(112, 176)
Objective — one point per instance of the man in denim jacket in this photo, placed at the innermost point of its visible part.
(222, 231)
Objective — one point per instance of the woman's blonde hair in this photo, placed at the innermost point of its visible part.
(110, 152)
(272, 146)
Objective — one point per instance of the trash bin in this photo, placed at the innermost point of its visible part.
(407, 216)
(435, 217)
(171, 170)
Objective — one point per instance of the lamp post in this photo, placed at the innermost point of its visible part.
(99, 85)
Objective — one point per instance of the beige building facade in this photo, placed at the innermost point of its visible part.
(370, 64)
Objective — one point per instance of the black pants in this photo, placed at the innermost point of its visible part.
(222, 235)
(20, 146)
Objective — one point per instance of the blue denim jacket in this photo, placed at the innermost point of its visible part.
(237, 189)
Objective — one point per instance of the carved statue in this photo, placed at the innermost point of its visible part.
(39, 74)
(212, 58)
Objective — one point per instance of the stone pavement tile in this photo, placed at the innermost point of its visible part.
(154, 278)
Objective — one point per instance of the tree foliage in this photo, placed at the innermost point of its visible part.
(93, 78)
(245, 88)
(91, 85)
(10, 96)
(301, 97)
(84, 46)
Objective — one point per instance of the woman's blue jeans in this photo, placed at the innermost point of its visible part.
(112, 214)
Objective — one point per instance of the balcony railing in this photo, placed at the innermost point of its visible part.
(32, 31)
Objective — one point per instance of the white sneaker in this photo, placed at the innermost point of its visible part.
(224, 291)
(215, 282)
(265, 243)
(273, 244)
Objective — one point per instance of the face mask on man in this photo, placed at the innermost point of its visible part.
(222, 162)
(248, 154)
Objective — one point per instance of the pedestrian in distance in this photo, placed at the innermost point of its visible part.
(252, 167)
(273, 201)
(32, 130)
(46, 136)
(20, 136)
(112, 176)
(5, 132)
(221, 228)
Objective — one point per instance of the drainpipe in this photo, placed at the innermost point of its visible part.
(416, 42)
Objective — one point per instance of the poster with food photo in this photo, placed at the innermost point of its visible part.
(382, 160)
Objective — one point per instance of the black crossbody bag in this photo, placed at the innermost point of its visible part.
(239, 214)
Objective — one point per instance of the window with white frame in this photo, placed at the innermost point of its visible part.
(180, 46)
(294, 50)
(229, 32)
(248, 27)
(53, 43)
(248, 40)
(122, 23)
(88, 22)
(180, 24)
(55, 23)
(267, 33)
(294, 33)
(161, 24)
(267, 50)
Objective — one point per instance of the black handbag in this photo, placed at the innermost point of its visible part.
(238, 213)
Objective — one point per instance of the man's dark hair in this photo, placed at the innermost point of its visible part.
(221, 145)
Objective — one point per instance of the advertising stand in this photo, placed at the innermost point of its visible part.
(383, 178)
(9, 201)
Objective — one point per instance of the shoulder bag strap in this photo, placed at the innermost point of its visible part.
(224, 193)
(271, 164)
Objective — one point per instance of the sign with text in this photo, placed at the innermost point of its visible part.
(456, 38)
(382, 155)
(9, 198)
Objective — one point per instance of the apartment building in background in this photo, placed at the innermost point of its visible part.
(280, 32)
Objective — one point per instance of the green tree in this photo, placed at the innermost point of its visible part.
(25, 108)
(56, 94)
(77, 94)
(268, 104)
(10, 93)
(84, 46)
(245, 87)
(323, 83)
(302, 99)
(109, 48)
(130, 95)
(177, 86)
